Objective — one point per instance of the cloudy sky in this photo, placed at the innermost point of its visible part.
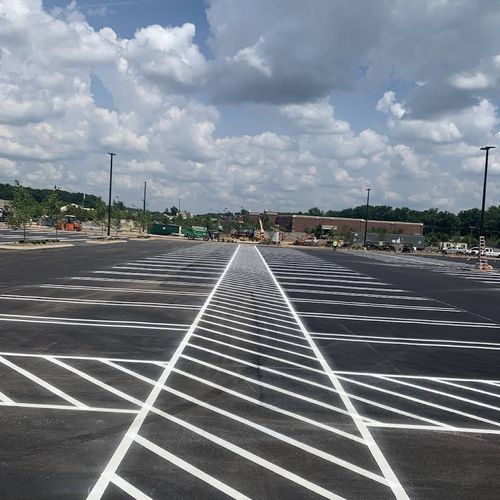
(276, 104)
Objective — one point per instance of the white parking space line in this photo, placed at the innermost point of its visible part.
(116, 303)
(389, 319)
(68, 408)
(380, 305)
(106, 323)
(42, 383)
(5, 399)
(377, 454)
(353, 294)
(130, 280)
(269, 346)
(276, 388)
(128, 488)
(215, 483)
(103, 481)
(123, 290)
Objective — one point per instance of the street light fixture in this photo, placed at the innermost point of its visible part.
(481, 223)
(111, 155)
(366, 215)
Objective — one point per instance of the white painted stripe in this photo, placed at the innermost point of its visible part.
(5, 399)
(413, 344)
(266, 385)
(389, 319)
(116, 303)
(376, 304)
(254, 318)
(191, 469)
(271, 407)
(305, 381)
(235, 306)
(237, 301)
(468, 388)
(233, 328)
(440, 393)
(92, 358)
(268, 346)
(281, 437)
(90, 322)
(377, 454)
(70, 408)
(45, 385)
(471, 430)
(95, 381)
(120, 452)
(250, 456)
(257, 353)
(181, 271)
(233, 291)
(157, 282)
(418, 400)
(273, 330)
(352, 294)
(260, 335)
(416, 339)
(165, 276)
(422, 377)
(298, 277)
(344, 287)
(129, 488)
(124, 290)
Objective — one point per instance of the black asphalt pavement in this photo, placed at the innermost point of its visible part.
(174, 369)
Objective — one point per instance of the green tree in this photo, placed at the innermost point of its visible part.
(174, 210)
(52, 209)
(315, 211)
(101, 215)
(23, 207)
(117, 215)
(143, 220)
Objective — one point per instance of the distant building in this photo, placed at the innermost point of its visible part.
(417, 241)
(344, 225)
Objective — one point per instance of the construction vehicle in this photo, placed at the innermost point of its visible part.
(69, 223)
(196, 232)
(260, 234)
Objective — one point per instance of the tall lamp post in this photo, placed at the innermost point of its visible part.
(111, 155)
(481, 223)
(366, 215)
(144, 199)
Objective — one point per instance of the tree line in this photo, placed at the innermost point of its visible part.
(439, 225)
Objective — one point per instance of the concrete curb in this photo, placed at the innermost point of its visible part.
(105, 242)
(39, 246)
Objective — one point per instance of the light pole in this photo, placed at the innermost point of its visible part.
(179, 206)
(366, 215)
(481, 223)
(144, 199)
(111, 155)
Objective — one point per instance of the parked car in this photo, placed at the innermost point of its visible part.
(453, 251)
(492, 252)
(488, 251)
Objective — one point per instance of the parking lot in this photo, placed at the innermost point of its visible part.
(203, 370)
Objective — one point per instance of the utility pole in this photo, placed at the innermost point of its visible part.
(366, 215)
(111, 155)
(144, 199)
(481, 223)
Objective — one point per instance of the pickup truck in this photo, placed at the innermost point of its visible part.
(488, 251)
